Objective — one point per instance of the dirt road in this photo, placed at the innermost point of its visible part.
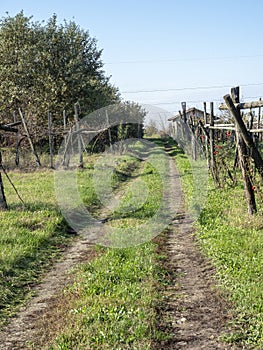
(192, 309)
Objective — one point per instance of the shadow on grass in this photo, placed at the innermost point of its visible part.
(25, 271)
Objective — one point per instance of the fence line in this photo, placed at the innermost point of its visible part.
(215, 133)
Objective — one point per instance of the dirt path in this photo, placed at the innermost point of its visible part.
(192, 310)
(21, 331)
(25, 330)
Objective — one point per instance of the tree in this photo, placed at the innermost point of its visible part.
(17, 73)
(124, 120)
(49, 67)
(151, 128)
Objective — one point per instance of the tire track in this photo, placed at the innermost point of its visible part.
(193, 310)
(23, 331)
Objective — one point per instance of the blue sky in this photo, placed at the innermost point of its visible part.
(182, 47)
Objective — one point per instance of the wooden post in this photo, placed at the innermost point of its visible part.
(246, 136)
(243, 105)
(64, 120)
(205, 114)
(244, 165)
(212, 146)
(3, 204)
(242, 149)
(17, 160)
(29, 138)
(50, 137)
(193, 142)
(206, 137)
(76, 116)
(258, 125)
(109, 129)
(67, 138)
(184, 111)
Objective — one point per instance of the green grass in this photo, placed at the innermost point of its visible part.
(113, 297)
(112, 300)
(233, 241)
(31, 237)
(114, 308)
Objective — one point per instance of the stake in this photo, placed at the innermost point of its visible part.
(50, 137)
(212, 145)
(235, 113)
(3, 204)
(17, 144)
(12, 184)
(78, 135)
(109, 129)
(29, 138)
(241, 133)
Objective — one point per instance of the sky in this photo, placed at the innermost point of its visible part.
(164, 52)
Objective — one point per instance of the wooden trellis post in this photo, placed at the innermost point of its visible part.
(29, 138)
(50, 137)
(80, 149)
(245, 135)
(10, 128)
(3, 204)
(206, 136)
(184, 111)
(212, 146)
(109, 129)
(17, 160)
(242, 148)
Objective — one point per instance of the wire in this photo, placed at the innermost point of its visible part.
(189, 88)
(199, 101)
(184, 59)
(174, 102)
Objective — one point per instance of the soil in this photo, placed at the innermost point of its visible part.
(22, 331)
(192, 310)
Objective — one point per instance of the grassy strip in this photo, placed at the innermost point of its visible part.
(113, 302)
(32, 237)
(113, 297)
(29, 237)
(234, 242)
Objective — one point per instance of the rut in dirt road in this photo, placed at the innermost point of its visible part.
(24, 330)
(192, 310)
(21, 331)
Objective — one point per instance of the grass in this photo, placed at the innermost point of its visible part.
(31, 237)
(233, 241)
(111, 304)
(113, 297)
(114, 302)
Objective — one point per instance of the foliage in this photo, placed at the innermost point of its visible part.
(125, 118)
(151, 128)
(49, 67)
